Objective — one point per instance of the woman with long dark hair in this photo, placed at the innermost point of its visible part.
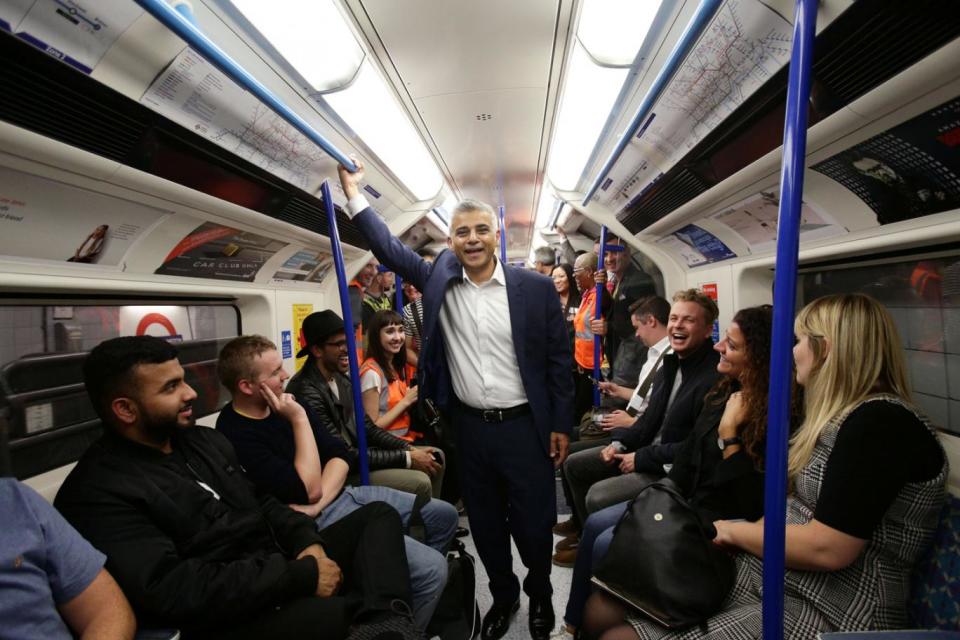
(722, 482)
(387, 398)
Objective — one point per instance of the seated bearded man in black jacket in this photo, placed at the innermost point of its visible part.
(193, 545)
(322, 386)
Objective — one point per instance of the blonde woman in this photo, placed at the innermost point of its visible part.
(866, 476)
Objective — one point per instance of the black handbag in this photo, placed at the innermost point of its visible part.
(662, 560)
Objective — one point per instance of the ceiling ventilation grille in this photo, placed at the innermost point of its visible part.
(483, 117)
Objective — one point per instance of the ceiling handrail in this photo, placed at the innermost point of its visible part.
(176, 20)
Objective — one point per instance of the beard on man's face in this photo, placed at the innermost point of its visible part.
(160, 428)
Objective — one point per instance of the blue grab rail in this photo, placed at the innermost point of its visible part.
(398, 294)
(343, 288)
(686, 42)
(784, 298)
(184, 27)
(597, 314)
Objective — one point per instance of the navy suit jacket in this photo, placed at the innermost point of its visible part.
(536, 319)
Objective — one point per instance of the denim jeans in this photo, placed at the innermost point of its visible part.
(594, 543)
(427, 562)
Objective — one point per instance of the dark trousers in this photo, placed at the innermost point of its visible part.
(368, 546)
(509, 491)
(582, 394)
(576, 447)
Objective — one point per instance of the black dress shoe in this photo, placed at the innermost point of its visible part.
(541, 619)
(497, 620)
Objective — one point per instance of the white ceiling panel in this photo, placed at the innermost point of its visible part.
(459, 46)
(479, 76)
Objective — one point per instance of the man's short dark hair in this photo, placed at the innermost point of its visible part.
(651, 306)
(108, 369)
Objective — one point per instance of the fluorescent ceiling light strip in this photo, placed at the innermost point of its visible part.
(589, 93)
(374, 114)
(613, 31)
(312, 36)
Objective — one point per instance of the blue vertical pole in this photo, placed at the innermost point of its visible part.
(784, 298)
(343, 286)
(398, 283)
(597, 314)
(503, 239)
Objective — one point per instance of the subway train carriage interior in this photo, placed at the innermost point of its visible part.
(199, 171)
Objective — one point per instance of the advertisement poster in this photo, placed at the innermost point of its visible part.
(755, 220)
(221, 253)
(710, 288)
(305, 266)
(78, 32)
(50, 220)
(909, 171)
(697, 246)
(300, 312)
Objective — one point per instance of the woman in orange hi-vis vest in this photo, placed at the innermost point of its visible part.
(387, 398)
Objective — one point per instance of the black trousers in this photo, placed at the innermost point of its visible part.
(576, 447)
(508, 488)
(368, 546)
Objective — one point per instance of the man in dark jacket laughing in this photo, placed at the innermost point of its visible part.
(191, 543)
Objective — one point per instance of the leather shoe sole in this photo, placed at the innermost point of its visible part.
(497, 621)
(570, 542)
(566, 528)
(565, 558)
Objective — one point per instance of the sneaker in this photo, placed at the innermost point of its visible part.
(566, 528)
(565, 558)
(570, 542)
(563, 632)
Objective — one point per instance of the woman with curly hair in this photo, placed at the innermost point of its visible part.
(723, 481)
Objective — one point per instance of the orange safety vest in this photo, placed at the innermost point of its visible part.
(389, 397)
(583, 338)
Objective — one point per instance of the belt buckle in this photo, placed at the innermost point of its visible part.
(492, 415)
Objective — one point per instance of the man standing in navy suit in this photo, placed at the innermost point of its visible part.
(495, 354)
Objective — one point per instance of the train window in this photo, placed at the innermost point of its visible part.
(49, 419)
(923, 295)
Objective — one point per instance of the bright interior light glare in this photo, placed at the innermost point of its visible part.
(374, 114)
(312, 36)
(545, 209)
(613, 30)
(589, 93)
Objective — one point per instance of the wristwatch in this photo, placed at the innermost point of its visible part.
(723, 443)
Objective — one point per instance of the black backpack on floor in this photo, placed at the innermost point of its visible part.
(457, 616)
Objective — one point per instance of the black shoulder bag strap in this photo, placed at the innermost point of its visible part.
(648, 381)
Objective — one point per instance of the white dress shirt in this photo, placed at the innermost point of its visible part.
(637, 401)
(478, 338)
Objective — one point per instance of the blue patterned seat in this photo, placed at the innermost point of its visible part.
(935, 594)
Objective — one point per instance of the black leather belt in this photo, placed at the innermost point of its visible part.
(497, 415)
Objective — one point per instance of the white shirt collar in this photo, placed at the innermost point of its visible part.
(498, 276)
(661, 346)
